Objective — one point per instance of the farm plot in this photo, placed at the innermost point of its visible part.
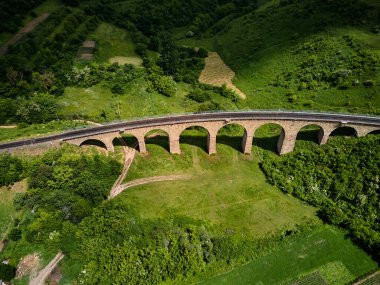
(217, 73)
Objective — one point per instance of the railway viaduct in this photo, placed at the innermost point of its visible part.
(290, 122)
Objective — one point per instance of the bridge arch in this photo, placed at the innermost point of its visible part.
(94, 142)
(232, 134)
(311, 132)
(200, 131)
(269, 136)
(158, 137)
(346, 131)
(375, 132)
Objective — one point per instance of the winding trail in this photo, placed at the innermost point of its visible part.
(44, 273)
(148, 180)
(21, 33)
(129, 155)
(117, 188)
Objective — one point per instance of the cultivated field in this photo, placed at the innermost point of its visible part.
(217, 73)
(335, 258)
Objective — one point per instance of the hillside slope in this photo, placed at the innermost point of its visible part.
(302, 54)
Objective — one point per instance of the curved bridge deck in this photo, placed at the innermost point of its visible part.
(291, 123)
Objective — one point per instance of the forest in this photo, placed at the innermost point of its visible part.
(341, 179)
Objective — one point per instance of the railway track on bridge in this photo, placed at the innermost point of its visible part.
(199, 117)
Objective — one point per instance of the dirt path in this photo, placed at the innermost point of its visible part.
(21, 33)
(88, 122)
(129, 155)
(8, 126)
(375, 275)
(217, 73)
(148, 180)
(44, 273)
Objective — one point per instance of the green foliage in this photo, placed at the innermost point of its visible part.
(38, 109)
(162, 84)
(117, 89)
(65, 186)
(7, 272)
(199, 95)
(11, 169)
(342, 178)
(338, 68)
(15, 234)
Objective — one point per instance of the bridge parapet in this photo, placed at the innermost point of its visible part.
(290, 122)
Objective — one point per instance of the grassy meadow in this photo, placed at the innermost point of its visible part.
(228, 188)
(112, 42)
(327, 252)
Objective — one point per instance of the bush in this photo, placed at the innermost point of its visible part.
(164, 85)
(11, 169)
(117, 89)
(199, 96)
(7, 272)
(15, 234)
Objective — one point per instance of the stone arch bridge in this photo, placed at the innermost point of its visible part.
(290, 122)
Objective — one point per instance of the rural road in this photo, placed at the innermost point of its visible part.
(44, 273)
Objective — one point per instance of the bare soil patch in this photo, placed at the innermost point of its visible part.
(135, 60)
(217, 73)
(8, 126)
(28, 266)
(25, 30)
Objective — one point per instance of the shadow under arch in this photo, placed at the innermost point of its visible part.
(312, 133)
(231, 135)
(344, 132)
(158, 137)
(195, 135)
(267, 136)
(376, 132)
(94, 142)
(126, 140)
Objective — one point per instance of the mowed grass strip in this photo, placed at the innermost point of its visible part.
(305, 255)
(228, 189)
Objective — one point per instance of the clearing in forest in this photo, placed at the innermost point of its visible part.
(135, 60)
(217, 73)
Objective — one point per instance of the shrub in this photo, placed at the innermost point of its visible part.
(164, 85)
(15, 234)
(7, 272)
(199, 96)
(117, 89)
(11, 169)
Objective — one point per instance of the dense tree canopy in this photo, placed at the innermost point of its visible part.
(341, 178)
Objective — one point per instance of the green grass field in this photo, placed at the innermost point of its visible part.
(336, 258)
(112, 42)
(7, 211)
(228, 189)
